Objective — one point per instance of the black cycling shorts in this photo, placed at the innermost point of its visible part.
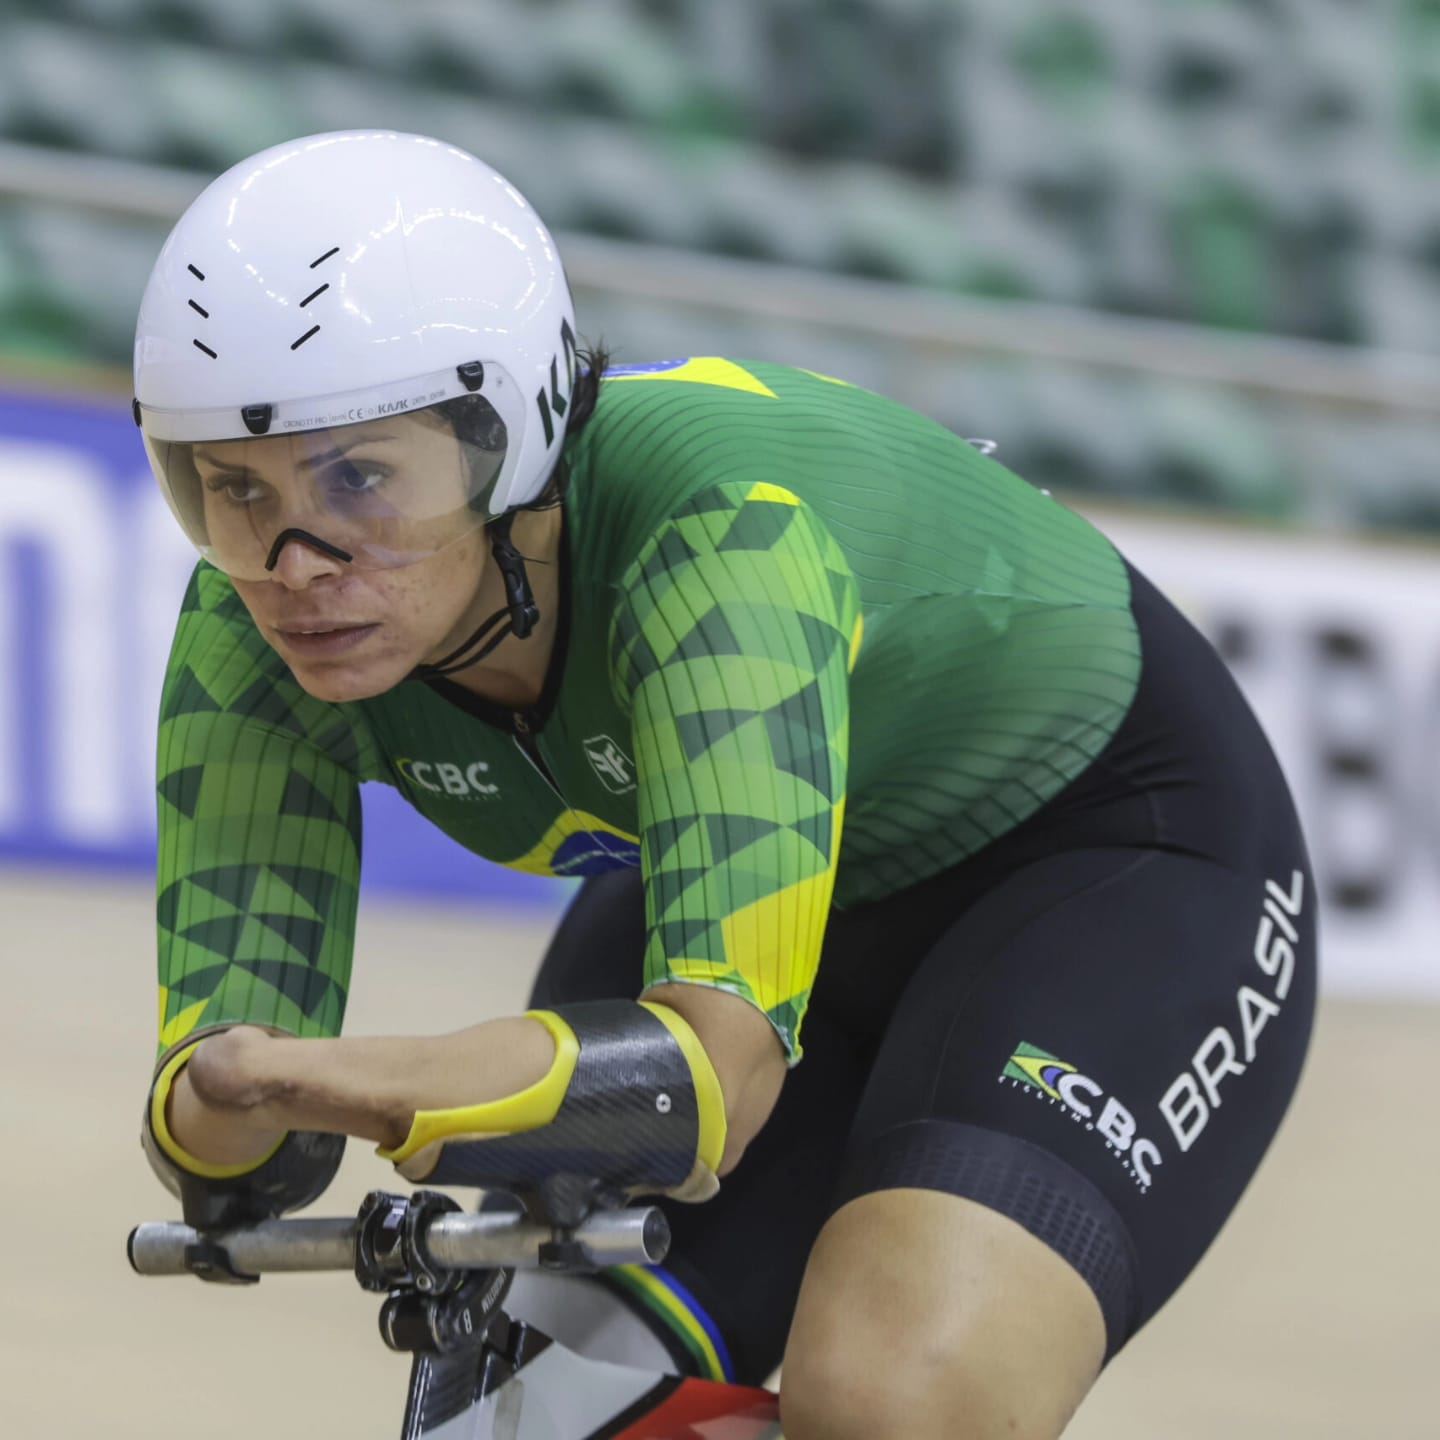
(1093, 1026)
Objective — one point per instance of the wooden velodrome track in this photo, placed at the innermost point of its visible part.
(1317, 1315)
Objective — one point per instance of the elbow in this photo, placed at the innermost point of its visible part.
(744, 1051)
(749, 1101)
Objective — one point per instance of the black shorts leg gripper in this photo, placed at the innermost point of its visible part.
(1041, 1193)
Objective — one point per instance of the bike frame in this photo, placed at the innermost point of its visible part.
(478, 1373)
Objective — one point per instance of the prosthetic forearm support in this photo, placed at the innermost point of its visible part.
(293, 1174)
(631, 1103)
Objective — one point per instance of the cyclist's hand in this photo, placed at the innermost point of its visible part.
(215, 1109)
(217, 1137)
(247, 1086)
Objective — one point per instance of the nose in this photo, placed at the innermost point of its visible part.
(298, 563)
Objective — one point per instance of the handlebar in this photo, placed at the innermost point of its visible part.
(451, 1240)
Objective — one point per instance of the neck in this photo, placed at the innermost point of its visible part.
(513, 674)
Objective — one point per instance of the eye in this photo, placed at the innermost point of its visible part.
(358, 477)
(234, 489)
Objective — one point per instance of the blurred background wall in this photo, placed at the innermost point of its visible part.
(1179, 259)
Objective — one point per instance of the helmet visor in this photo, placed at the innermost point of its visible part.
(376, 493)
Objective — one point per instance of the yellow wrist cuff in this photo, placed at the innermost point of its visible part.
(527, 1109)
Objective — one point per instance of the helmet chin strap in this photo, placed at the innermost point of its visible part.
(520, 614)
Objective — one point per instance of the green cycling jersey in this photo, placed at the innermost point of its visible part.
(814, 648)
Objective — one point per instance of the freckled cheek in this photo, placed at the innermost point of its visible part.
(424, 602)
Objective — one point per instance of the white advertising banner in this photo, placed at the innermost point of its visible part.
(1337, 646)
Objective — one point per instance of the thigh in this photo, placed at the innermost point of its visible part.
(1101, 1050)
(984, 1330)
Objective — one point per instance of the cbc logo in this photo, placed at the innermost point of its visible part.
(443, 777)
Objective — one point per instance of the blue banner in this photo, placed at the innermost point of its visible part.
(92, 568)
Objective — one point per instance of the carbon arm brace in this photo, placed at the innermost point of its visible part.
(293, 1174)
(630, 1105)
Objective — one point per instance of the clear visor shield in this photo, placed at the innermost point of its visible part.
(376, 493)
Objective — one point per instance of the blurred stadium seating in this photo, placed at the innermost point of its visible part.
(1249, 166)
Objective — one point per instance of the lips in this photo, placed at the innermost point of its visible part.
(319, 627)
(323, 637)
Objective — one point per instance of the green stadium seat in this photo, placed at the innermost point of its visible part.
(369, 37)
(894, 228)
(623, 187)
(77, 90)
(1225, 251)
(976, 397)
(1078, 433)
(88, 271)
(256, 26)
(1395, 455)
(600, 58)
(212, 109)
(16, 271)
(775, 210)
(1205, 447)
(1398, 302)
(1060, 57)
(1213, 57)
(485, 49)
(1007, 251)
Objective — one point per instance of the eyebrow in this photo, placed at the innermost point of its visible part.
(309, 462)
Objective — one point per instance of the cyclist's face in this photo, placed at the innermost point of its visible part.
(345, 631)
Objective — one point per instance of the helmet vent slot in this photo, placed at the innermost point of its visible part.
(200, 345)
(311, 331)
(313, 294)
(333, 250)
(199, 309)
(194, 272)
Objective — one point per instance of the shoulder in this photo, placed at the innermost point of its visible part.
(675, 426)
(716, 385)
(665, 433)
(216, 641)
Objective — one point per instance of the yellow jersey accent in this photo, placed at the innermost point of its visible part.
(527, 1109)
(1032, 1065)
(177, 1029)
(855, 640)
(159, 1095)
(709, 1098)
(540, 859)
(663, 1298)
(828, 379)
(703, 972)
(775, 494)
(702, 370)
(779, 936)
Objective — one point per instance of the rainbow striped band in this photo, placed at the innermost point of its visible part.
(664, 1297)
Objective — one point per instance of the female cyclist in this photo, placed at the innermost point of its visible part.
(860, 741)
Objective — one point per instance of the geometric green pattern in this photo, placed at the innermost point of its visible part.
(731, 645)
(259, 857)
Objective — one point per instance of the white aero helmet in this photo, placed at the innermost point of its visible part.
(321, 323)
